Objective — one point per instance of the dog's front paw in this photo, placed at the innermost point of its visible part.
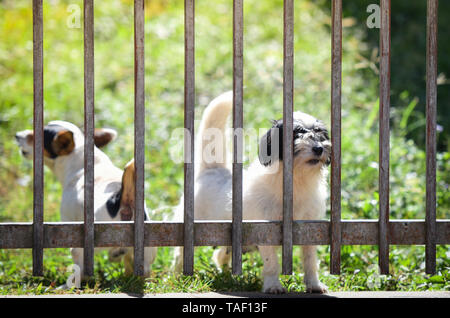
(272, 285)
(317, 287)
(275, 290)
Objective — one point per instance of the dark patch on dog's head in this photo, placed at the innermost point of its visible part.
(271, 144)
(58, 141)
(49, 135)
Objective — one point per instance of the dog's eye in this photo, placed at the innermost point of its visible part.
(324, 135)
(301, 130)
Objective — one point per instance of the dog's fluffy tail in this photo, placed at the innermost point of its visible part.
(212, 153)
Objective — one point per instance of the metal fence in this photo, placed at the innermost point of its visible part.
(237, 233)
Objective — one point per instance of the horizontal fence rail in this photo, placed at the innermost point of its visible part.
(218, 233)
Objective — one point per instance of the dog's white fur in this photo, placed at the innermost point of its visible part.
(69, 170)
(262, 197)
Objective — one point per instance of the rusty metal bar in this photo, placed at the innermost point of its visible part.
(217, 233)
(38, 145)
(431, 109)
(336, 82)
(189, 114)
(89, 126)
(385, 74)
(139, 135)
(238, 122)
(288, 146)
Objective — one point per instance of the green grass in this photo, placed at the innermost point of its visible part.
(358, 273)
(263, 43)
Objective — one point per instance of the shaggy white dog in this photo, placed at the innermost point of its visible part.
(262, 184)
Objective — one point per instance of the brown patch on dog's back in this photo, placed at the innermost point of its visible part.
(127, 204)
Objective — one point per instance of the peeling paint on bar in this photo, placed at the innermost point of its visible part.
(89, 126)
(139, 134)
(38, 128)
(431, 110)
(189, 114)
(238, 122)
(288, 145)
(336, 82)
(385, 77)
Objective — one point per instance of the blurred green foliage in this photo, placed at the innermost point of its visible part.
(408, 61)
(263, 69)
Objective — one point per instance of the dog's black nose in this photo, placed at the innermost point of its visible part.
(317, 150)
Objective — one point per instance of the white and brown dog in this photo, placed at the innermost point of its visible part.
(262, 185)
(114, 188)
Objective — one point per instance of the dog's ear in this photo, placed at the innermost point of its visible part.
(103, 136)
(30, 139)
(127, 202)
(270, 145)
(63, 143)
(26, 136)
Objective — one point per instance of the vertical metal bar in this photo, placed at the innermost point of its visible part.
(189, 101)
(89, 137)
(336, 82)
(238, 120)
(432, 43)
(139, 134)
(288, 108)
(38, 146)
(385, 74)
